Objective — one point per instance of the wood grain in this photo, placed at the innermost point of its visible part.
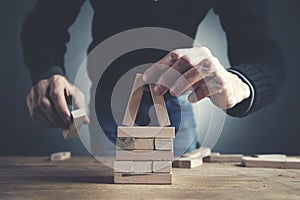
(160, 108)
(86, 178)
(144, 144)
(151, 178)
(224, 158)
(125, 143)
(142, 166)
(60, 156)
(145, 155)
(187, 163)
(164, 144)
(123, 166)
(162, 166)
(146, 132)
(282, 163)
(134, 101)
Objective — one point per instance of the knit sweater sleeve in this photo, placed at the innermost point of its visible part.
(45, 34)
(252, 51)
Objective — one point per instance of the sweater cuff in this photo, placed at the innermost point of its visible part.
(243, 108)
(46, 74)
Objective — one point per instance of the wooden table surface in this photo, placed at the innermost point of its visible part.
(85, 178)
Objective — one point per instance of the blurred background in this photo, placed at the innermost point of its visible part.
(275, 129)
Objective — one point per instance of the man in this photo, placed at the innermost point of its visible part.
(252, 82)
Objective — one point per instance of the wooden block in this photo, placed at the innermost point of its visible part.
(147, 178)
(142, 166)
(215, 153)
(162, 167)
(198, 153)
(164, 144)
(145, 155)
(293, 163)
(270, 156)
(125, 143)
(60, 156)
(264, 162)
(187, 162)
(224, 158)
(146, 132)
(282, 163)
(77, 117)
(134, 101)
(144, 144)
(123, 166)
(160, 108)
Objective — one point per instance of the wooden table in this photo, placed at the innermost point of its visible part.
(85, 178)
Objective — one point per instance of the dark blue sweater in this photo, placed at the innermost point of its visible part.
(253, 53)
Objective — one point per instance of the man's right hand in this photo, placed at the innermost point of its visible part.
(47, 102)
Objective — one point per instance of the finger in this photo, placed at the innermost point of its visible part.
(192, 58)
(34, 110)
(206, 68)
(49, 110)
(41, 118)
(152, 74)
(172, 74)
(186, 81)
(78, 100)
(47, 107)
(204, 89)
(57, 94)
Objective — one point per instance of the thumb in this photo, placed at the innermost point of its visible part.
(77, 98)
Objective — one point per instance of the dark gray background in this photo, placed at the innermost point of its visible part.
(274, 129)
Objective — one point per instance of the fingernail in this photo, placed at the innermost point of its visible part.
(145, 78)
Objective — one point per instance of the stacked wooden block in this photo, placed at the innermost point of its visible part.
(144, 154)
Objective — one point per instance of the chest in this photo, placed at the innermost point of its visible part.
(180, 15)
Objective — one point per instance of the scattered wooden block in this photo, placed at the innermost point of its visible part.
(162, 167)
(144, 144)
(146, 132)
(60, 156)
(123, 166)
(77, 117)
(283, 156)
(134, 101)
(160, 108)
(192, 159)
(125, 143)
(282, 163)
(198, 153)
(144, 155)
(187, 162)
(142, 166)
(215, 154)
(293, 163)
(149, 178)
(224, 158)
(163, 144)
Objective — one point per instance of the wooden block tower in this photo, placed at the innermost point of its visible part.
(144, 154)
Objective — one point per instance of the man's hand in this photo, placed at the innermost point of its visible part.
(47, 102)
(199, 70)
